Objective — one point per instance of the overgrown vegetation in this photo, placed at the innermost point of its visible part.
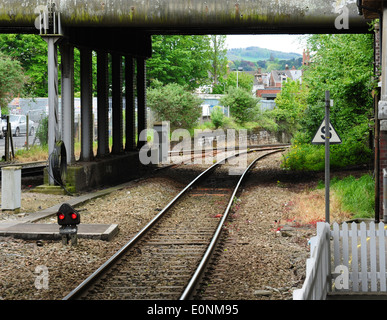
(12, 80)
(342, 64)
(242, 104)
(174, 103)
(42, 131)
(217, 117)
(34, 153)
(233, 80)
(355, 195)
(350, 198)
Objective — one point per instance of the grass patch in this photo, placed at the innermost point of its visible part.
(34, 153)
(356, 196)
(350, 198)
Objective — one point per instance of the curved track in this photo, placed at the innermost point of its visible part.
(168, 257)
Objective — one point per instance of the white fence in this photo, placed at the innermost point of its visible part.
(315, 286)
(358, 260)
(360, 254)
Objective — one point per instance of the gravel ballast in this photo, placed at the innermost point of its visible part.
(261, 259)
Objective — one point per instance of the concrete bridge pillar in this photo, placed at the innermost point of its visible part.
(130, 125)
(53, 116)
(86, 105)
(141, 98)
(103, 103)
(117, 103)
(67, 70)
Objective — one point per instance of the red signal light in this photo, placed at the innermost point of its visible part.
(67, 216)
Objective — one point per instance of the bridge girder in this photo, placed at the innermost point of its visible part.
(190, 16)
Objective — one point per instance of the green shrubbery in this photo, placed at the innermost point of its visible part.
(356, 195)
(174, 103)
(354, 150)
(217, 117)
(42, 131)
(312, 157)
(341, 64)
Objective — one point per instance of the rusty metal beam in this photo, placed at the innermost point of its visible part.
(156, 16)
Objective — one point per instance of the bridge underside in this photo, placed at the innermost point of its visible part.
(189, 16)
(122, 30)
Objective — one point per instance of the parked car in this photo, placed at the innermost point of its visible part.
(18, 125)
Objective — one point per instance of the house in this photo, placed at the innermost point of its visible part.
(270, 84)
(278, 77)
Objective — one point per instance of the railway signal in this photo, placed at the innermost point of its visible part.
(68, 219)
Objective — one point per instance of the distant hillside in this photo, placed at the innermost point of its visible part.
(255, 54)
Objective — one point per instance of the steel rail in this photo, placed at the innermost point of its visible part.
(208, 254)
(225, 149)
(77, 292)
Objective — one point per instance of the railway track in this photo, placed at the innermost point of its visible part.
(168, 257)
(28, 168)
(37, 168)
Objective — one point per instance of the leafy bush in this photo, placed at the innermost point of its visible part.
(12, 80)
(243, 106)
(42, 131)
(312, 157)
(303, 110)
(356, 195)
(217, 117)
(290, 105)
(174, 103)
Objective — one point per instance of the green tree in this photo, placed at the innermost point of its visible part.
(174, 103)
(274, 64)
(342, 64)
(180, 59)
(241, 79)
(243, 105)
(290, 105)
(218, 57)
(31, 51)
(12, 80)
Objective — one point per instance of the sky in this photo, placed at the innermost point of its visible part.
(285, 43)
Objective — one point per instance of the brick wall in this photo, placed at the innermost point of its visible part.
(382, 165)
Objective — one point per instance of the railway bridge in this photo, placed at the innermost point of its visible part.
(123, 29)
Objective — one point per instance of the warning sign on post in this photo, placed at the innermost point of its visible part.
(319, 137)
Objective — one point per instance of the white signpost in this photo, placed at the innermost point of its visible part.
(326, 137)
